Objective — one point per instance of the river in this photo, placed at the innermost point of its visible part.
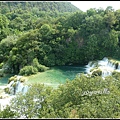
(56, 75)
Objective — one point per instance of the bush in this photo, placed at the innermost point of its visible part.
(116, 75)
(28, 70)
(40, 68)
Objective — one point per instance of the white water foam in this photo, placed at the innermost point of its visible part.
(105, 65)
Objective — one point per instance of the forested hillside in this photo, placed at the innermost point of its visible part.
(38, 5)
(58, 34)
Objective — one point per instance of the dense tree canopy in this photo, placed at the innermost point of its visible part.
(56, 37)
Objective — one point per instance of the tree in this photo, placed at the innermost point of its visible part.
(29, 104)
(4, 22)
(109, 19)
(91, 12)
(46, 32)
(7, 113)
(6, 46)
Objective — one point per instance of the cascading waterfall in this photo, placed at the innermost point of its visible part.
(107, 66)
(10, 84)
(25, 89)
(13, 88)
(17, 86)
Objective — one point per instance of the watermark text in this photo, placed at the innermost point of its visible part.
(90, 93)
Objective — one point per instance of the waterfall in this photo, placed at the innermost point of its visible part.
(106, 73)
(25, 89)
(107, 66)
(10, 84)
(15, 86)
(19, 87)
(89, 67)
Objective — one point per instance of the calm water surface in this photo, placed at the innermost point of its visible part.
(4, 80)
(56, 75)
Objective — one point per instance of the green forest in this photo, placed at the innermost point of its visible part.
(35, 36)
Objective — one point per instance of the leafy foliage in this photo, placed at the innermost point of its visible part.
(28, 70)
(7, 113)
(32, 101)
(55, 36)
(83, 97)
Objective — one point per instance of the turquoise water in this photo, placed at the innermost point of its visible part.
(56, 75)
(4, 80)
(67, 72)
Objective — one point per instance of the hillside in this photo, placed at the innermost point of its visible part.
(40, 6)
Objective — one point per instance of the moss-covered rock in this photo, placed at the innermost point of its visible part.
(96, 72)
(93, 69)
(23, 79)
(13, 78)
(115, 62)
(95, 63)
(7, 90)
(14, 85)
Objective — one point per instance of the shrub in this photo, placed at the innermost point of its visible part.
(116, 75)
(40, 68)
(28, 70)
